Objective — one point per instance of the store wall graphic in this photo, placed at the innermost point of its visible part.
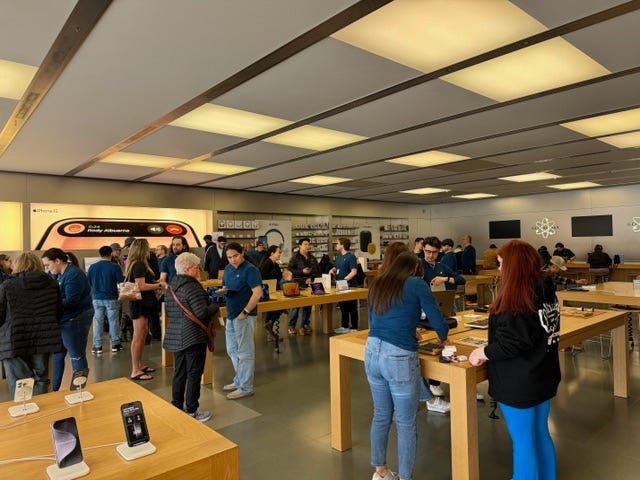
(276, 232)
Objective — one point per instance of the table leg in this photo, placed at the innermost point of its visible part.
(327, 326)
(207, 374)
(620, 361)
(465, 464)
(340, 386)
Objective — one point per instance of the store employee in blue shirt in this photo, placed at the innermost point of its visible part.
(437, 273)
(243, 283)
(346, 269)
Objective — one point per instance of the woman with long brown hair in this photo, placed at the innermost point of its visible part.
(396, 300)
(139, 271)
(522, 356)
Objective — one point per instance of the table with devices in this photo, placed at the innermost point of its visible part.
(462, 378)
(607, 293)
(184, 447)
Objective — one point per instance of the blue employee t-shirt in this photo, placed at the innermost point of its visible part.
(240, 282)
(344, 264)
(104, 277)
(168, 266)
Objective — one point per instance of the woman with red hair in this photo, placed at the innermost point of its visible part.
(522, 356)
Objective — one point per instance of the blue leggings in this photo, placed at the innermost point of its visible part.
(534, 456)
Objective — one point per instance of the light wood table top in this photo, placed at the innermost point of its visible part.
(185, 447)
(462, 378)
(609, 293)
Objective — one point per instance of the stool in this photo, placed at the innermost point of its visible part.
(599, 275)
(630, 309)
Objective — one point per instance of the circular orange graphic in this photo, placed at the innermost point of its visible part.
(74, 228)
(174, 229)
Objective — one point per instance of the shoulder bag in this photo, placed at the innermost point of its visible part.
(209, 329)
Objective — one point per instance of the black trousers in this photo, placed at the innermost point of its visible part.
(349, 309)
(188, 368)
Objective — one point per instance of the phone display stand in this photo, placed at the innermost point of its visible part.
(67, 473)
(78, 381)
(23, 392)
(139, 451)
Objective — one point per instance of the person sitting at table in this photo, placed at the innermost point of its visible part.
(396, 299)
(557, 264)
(599, 262)
(563, 252)
(522, 356)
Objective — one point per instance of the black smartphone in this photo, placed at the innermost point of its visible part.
(66, 442)
(79, 379)
(135, 425)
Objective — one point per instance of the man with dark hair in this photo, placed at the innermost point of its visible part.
(346, 269)
(418, 245)
(490, 257)
(259, 253)
(563, 252)
(448, 256)
(468, 260)
(208, 242)
(104, 276)
(436, 273)
(303, 265)
(244, 285)
(179, 244)
(216, 259)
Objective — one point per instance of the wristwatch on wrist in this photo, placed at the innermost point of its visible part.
(244, 310)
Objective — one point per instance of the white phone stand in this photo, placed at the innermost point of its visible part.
(131, 453)
(67, 473)
(80, 396)
(23, 392)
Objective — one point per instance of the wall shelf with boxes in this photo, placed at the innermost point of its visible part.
(241, 231)
(352, 232)
(318, 233)
(390, 233)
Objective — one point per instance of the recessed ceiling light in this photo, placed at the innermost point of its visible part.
(607, 124)
(534, 69)
(229, 121)
(320, 180)
(530, 177)
(142, 160)
(474, 196)
(430, 35)
(624, 140)
(215, 168)
(428, 159)
(314, 138)
(15, 78)
(424, 191)
(573, 186)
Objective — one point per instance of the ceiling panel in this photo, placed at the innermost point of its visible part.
(6, 109)
(323, 76)
(260, 154)
(181, 143)
(554, 14)
(116, 172)
(179, 177)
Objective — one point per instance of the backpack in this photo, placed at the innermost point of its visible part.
(360, 275)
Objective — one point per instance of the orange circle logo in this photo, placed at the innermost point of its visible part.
(74, 228)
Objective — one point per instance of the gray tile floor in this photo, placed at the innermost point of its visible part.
(284, 430)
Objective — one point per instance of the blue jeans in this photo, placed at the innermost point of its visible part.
(74, 339)
(534, 456)
(241, 348)
(111, 310)
(306, 316)
(394, 379)
(35, 365)
(425, 391)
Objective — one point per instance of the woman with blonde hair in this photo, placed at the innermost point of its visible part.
(139, 271)
(30, 308)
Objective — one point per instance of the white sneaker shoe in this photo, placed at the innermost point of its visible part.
(389, 476)
(479, 397)
(437, 390)
(439, 405)
(230, 387)
(341, 330)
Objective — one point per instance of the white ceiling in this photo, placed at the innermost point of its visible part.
(147, 62)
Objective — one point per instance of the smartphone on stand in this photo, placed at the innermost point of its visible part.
(66, 442)
(135, 425)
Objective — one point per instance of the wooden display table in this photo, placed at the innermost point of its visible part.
(608, 293)
(462, 378)
(185, 447)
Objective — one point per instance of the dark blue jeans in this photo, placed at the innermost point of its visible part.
(74, 338)
(35, 365)
(188, 368)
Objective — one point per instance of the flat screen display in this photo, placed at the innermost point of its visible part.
(592, 226)
(504, 229)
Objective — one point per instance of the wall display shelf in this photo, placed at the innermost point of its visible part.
(345, 231)
(240, 231)
(318, 233)
(393, 233)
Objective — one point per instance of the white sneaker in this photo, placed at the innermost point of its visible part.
(236, 394)
(230, 387)
(479, 397)
(389, 476)
(437, 390)
(341, 330)
(439, 405)
(354, 330)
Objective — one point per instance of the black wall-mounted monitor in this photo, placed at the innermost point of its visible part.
(592, 226)
(504, 229)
